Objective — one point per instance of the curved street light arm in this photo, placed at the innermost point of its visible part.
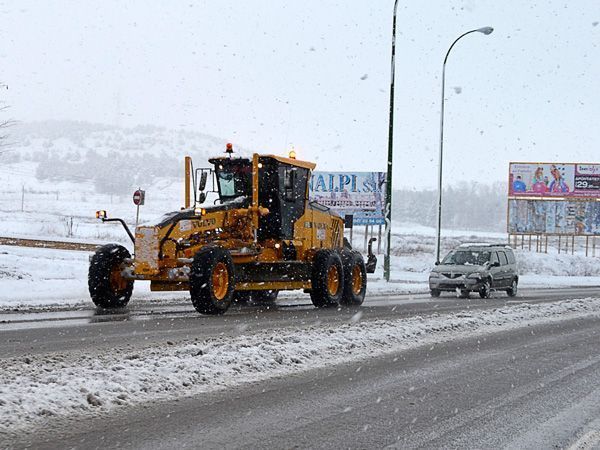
(456, 40)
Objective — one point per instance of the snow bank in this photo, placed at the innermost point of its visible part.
(34, 389)
(32, 277)
(41, 276)
(531, 263)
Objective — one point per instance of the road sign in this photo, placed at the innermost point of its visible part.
(139, 197)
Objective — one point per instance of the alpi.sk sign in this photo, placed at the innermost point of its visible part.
(360, 194)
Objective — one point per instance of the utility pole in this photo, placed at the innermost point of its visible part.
(388, 182)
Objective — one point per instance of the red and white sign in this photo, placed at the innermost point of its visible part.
(139, 197)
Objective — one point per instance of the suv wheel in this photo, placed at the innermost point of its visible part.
(485, 289)
(512, 290)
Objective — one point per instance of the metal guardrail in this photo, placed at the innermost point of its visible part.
(60, 245)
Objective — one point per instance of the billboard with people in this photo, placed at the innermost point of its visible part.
(554, 180)
(554, 198)
(359, 194)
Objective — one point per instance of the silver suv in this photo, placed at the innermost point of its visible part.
(476, 268)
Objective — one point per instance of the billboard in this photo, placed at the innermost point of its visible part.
(562, 180)
(570, 217)
(360, 194)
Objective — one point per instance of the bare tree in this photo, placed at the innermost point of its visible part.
(4, 125)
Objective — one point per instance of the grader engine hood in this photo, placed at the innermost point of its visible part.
(146, 250)
(182, 233)
(153, 241)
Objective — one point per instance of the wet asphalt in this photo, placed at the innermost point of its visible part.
(534, 387)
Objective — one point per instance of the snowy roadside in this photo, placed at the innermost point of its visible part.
(36, 389)
(32, 278)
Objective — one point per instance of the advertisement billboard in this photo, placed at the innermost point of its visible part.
(360, 194)
(570, 217)
(562, 180)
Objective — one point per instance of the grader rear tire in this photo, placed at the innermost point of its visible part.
(355, 278)
(212, 280)
(327, 281)
(107, 287)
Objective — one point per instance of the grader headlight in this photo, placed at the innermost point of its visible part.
(101, 215)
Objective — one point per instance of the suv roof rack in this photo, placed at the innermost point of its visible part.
(479, 244)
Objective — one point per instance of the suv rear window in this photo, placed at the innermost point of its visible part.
(495, 258)
(503, 259)
(511, 257)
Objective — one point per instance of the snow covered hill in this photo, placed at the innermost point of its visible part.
(54, 175)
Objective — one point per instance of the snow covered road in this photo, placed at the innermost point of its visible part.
(37, 389)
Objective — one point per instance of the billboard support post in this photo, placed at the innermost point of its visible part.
(587, 244)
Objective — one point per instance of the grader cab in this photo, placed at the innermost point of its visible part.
(261, 235)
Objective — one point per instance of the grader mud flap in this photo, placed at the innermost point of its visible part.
(371, 258)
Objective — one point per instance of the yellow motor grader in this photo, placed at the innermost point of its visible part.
(261, 235)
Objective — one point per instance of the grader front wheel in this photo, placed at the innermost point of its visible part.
(106, 284)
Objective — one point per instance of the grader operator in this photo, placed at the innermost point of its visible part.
(261, 235)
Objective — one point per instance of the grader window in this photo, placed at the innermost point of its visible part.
(288, 185)
(234, 181)
(282, 189)
(227, 184)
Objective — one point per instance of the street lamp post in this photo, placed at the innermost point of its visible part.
(486, 31)
(388, 181)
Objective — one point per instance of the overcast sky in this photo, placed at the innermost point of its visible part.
(314, 74)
